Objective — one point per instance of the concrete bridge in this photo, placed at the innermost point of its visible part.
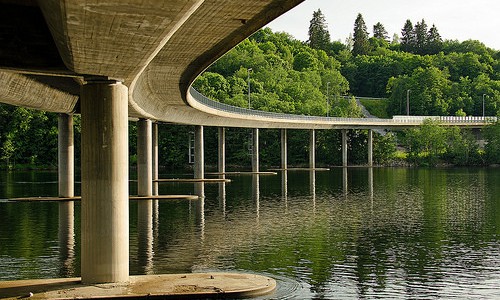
(118, 59)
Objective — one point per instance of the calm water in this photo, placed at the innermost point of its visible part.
(340, 234)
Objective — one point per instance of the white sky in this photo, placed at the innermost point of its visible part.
(454, 19)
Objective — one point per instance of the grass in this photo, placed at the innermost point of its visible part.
(377, 107)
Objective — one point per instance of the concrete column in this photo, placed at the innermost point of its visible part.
(312, 149)
(66, 157)
(144, 158)
(370, 147)
(344, 147)
(155, 158)
(199, 157)
(66, 170)
(104, 205)
(255, 150)
(221, 162)
(284, 149)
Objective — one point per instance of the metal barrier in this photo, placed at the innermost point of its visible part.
(200, 98)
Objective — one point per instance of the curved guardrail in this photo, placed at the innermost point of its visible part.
(200, 98)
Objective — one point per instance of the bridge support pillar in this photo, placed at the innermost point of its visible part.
(370, 147)
(312, 149)
(344, 147)
(155, 157)
(66, 172)
(255, 150)
(221, 161)
(144, 158)
(199, 155)
(105, 214)
(284, 164)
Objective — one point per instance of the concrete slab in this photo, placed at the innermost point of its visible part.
(171, 286)
(79, 198)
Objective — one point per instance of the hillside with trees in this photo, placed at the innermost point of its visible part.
(274, 72)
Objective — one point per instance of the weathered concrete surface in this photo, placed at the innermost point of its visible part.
(193, 285)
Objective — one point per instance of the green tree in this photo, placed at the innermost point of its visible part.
(319, 37)
(360, 37)
(379, 32)
(420, 30)
(408, 38)
(426, 143)
(492, 147)
(434, 41)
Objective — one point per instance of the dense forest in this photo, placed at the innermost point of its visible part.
(275, 72)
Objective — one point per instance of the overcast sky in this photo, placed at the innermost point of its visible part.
(454, 19)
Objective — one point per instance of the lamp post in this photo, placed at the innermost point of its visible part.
(407, 102)
(483, 104)
(328, 99)
(248, 79)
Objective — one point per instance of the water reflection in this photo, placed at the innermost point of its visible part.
(66, 234)
(399, 233)
(145, 235)
(284, 187)
(345, 187)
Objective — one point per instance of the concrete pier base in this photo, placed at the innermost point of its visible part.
(173, 286)
(105, 215)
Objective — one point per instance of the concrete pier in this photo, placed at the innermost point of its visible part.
(221, 161)
(66, 172)
(284, 149)
(370, 147)
(144, 158)
(344, 147)
(199, 156)
(155, 157)
(255, 150)
(312, 149)
(105, 215)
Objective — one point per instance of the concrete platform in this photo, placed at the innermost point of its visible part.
(172, 286)
(207, 180)
(243, 173)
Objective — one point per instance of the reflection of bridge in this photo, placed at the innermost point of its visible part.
(111, 60)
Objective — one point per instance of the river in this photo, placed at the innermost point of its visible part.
(381, 233)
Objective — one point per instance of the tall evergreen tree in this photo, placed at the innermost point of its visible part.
(408, 39)
(421, 37)
(379, 32)
(319, 37)
(361, 44)
(434, 41)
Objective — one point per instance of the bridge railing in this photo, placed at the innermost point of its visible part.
(444, 119)
(251, 112)
(413, 120)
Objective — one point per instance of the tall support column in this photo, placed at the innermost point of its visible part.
(66, 170)
(221, 162)
(312, 149)
(370, 147)
(155, 158)
(255, 150)
(66, 156)
(284, 149)
(104, 205)
(144, 158)
(344, 147)
(199, 156)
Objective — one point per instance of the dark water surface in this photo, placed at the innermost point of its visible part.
(342, 234)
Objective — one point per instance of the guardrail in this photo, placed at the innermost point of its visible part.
(413, 120)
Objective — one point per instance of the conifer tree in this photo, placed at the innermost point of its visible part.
(420, 37)
(408, 39)
(361, 44)
(380, 32)
(434, 41)
(319, 37)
